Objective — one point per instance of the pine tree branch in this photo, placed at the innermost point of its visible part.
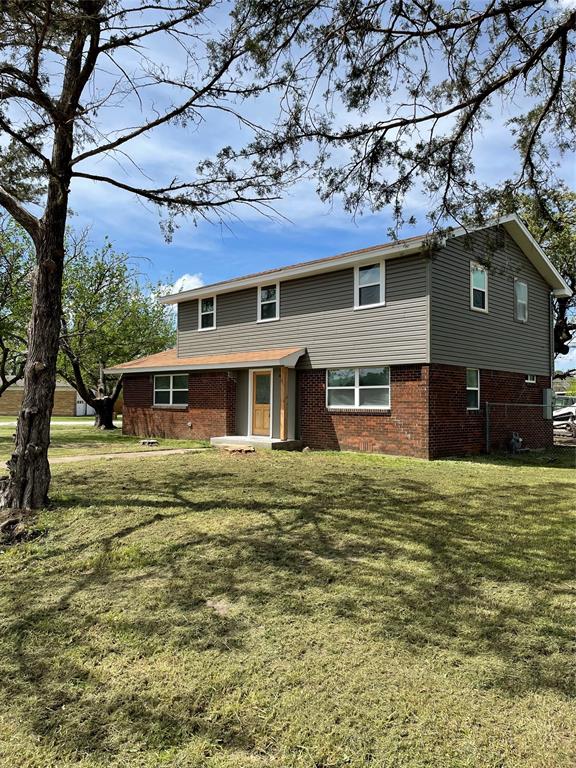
(15, 208)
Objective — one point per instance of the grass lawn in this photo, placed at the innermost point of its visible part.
(293, 611)
(76, 440)
(56, 419)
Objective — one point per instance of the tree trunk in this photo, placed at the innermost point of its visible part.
(104, 416)
(29, 471)
(563, 334)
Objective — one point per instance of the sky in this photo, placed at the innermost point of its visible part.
(203, 253)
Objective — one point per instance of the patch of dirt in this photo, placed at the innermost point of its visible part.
(17, 527)
(221, 607)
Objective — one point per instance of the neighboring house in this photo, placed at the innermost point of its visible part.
(394, 348)
(67, 402)
(64, 400)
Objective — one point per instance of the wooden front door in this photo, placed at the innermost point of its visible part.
(261, 400)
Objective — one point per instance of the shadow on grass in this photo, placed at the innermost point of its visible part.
(474, 568)
(559, 457)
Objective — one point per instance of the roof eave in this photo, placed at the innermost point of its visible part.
(287, 361)
(302, 270)
(530, 247)
(513, 224)
(534, 252)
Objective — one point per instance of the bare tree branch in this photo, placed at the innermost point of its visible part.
(20, 214)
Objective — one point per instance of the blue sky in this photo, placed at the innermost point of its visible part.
(305, 228)
(210, 252)
(207, 253)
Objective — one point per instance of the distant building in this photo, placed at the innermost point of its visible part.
(67, 402)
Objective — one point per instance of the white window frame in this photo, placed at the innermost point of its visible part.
(171, 390)
(472, 389)
(277, 302)
(475, 265)
(530, 378)
(200, 313)
(516, 303)
(382, 283)
(357, 388)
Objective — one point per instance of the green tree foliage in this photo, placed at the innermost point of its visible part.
(109, 315)
(16, 269)
(398, 93)
(69, 73)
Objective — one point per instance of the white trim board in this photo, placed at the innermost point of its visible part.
(512, 223)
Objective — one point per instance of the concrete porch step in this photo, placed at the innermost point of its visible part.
(271, 443)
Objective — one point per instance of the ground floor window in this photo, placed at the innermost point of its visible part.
(171, 389)
(472, 389)
(358, 387)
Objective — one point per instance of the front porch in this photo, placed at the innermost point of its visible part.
(265, 404)
(241, 396)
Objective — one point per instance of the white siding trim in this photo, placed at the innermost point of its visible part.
(259, 318)
(356, 388)
(200, 313)
(382, 264)
(516, 317)
(475, 265)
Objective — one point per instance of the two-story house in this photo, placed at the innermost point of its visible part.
(394, 348)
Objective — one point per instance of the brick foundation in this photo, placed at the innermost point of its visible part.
(403, 430)
(455, 431)
(210, 411)
(428, 416)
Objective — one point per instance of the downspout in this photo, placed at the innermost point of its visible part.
(551, 338)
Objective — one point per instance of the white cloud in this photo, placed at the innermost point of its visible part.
(186, 282)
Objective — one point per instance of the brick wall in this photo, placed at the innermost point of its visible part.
(210, 411)
(428, 417)
(403, 430)
(455, 430)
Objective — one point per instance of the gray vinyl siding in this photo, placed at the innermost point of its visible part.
(461, 336)
(242, 402)
(275, 402)
(317, 312)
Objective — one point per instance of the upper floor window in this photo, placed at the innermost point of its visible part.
(171, 389)
(478, 287)
(268, 302)
(369, 285)
(358, 387)
(472, 389)
(521, 300)
(207, 313)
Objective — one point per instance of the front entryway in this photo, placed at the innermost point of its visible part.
(261, 402)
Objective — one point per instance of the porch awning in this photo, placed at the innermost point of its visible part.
(168, 361)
